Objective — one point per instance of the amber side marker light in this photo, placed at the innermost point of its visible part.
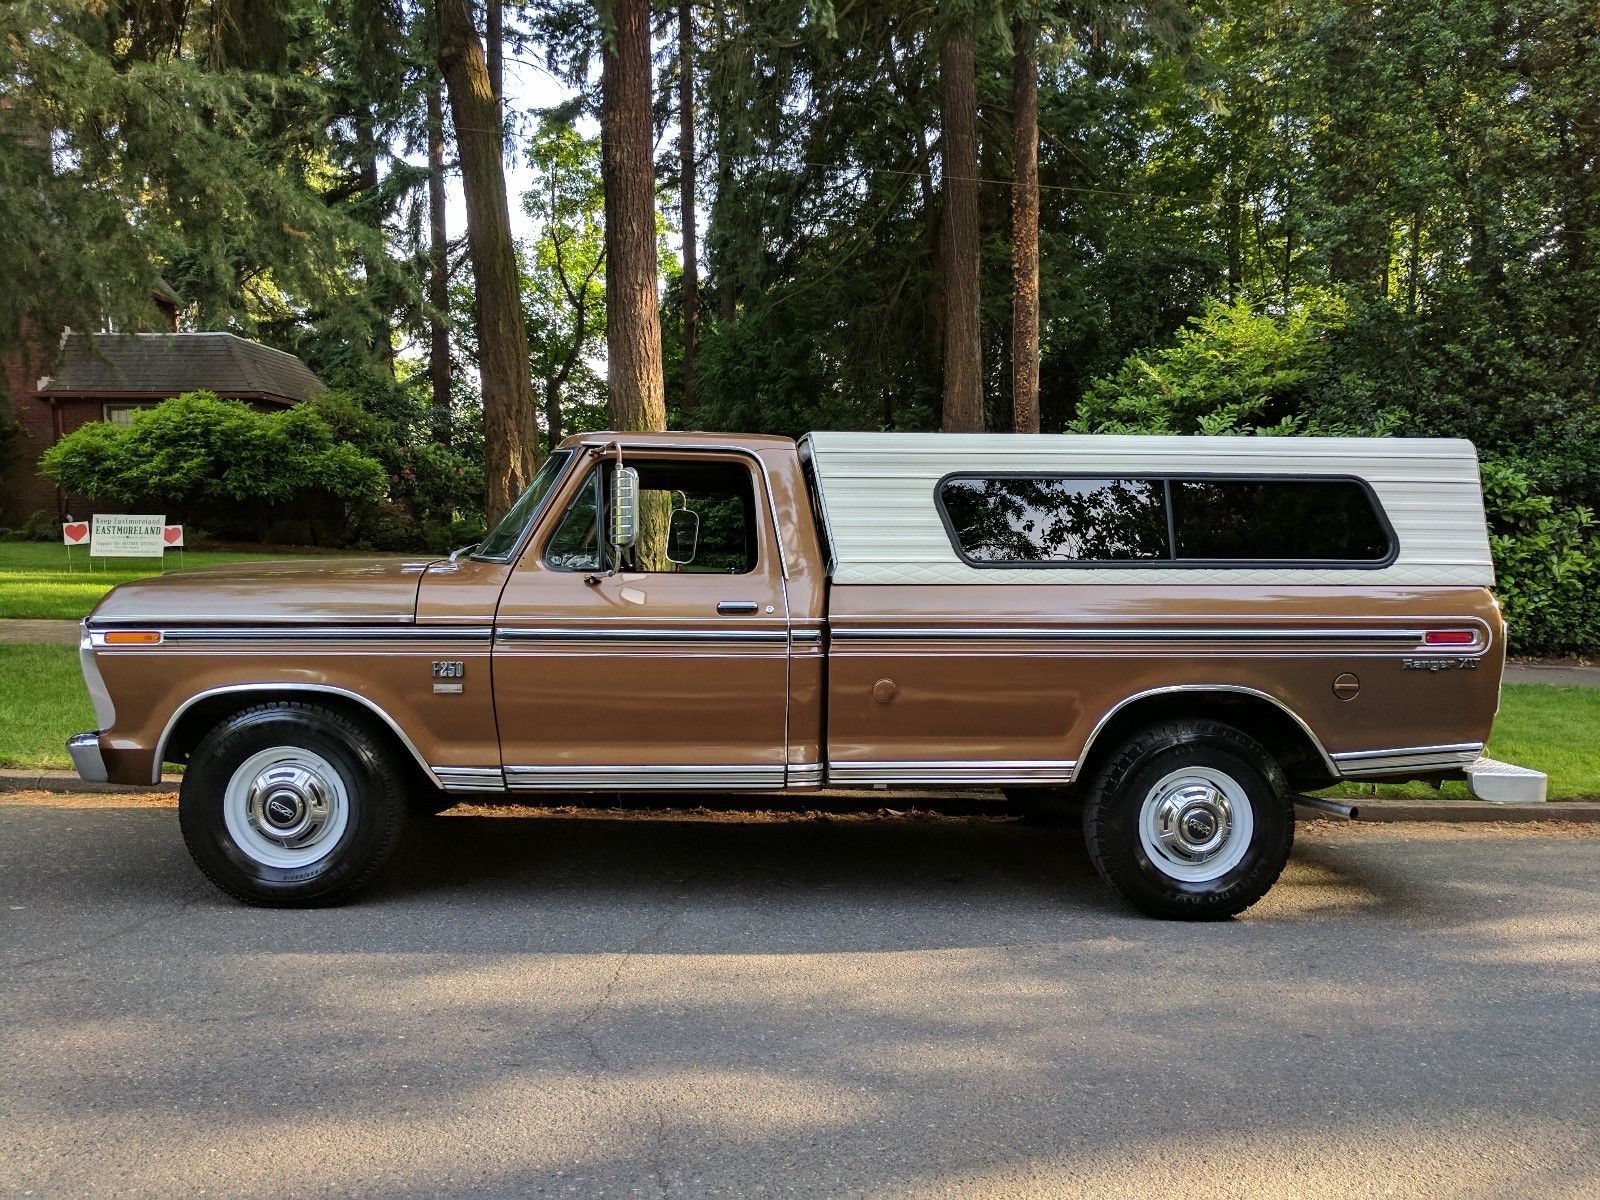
(1449, 637)
(133, 637)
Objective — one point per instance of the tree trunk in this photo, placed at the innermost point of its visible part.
(552, 413)
(633, 321)
(373, 266)
(1025, 230)
(510, 434)
(963, 350)
(686, 195)
(494, 35)
(438, 267)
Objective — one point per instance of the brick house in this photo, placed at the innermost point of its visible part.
(110, 376)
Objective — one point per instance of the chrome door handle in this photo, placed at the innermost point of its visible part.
(737, 606)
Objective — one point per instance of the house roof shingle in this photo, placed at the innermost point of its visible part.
(172, 363)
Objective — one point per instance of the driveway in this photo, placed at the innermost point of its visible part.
(598, 1005)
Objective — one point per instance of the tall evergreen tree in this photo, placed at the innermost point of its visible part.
(511, 435)
(963, 333)
(686, 199)
(633, 322)
(1025, 225)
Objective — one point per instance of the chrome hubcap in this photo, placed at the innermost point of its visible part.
(1195, 824)
(289, 805)
(286, 807)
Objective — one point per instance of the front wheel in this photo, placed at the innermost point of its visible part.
(1190, 820)
(291, 804)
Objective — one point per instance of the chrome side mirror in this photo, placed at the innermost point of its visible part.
(624, 507)
(683, 536)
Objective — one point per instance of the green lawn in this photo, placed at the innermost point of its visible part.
(1556, 729)
(43, 705)
(35, 579)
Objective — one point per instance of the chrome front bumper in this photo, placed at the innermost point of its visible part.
(86, 757)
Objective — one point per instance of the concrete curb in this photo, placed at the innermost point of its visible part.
(67, 783)
(955, 801)
(1370, 812)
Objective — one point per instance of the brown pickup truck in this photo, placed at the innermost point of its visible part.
(1179, 632)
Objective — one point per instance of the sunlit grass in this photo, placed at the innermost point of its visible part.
(43, 704)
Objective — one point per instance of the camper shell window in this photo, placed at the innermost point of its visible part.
(1040, 520)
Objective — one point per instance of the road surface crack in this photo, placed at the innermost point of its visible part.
(185, 903)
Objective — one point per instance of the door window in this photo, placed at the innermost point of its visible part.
(696, 518)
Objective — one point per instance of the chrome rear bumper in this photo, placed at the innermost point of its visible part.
(86, 757)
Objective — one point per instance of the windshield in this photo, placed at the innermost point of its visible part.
(507, 536)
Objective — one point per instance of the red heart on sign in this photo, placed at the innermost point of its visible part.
(172, 533)
(76, 533)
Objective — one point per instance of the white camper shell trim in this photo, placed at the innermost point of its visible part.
(876, 492)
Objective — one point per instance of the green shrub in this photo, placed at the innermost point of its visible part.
(1547, 563)
(40, 527)
(1232, 369)
(198, 454)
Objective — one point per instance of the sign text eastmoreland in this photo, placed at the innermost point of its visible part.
(120, 535)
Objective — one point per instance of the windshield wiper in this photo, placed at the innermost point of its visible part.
(456, 554)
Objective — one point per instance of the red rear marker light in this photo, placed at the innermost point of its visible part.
(1449, 637)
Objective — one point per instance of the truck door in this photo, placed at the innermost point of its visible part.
(664, 667)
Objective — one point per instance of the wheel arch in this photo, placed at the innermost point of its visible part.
(202, 711)
(1284, 733)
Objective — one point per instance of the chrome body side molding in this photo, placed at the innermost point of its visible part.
(1410, 638)
(470, 779)
(364, 634)
(267, 689)
(645, 778)
(1405, 759)
(636, 633)
(952, 771)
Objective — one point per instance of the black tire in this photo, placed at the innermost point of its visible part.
(1114, 811)
(343, 853)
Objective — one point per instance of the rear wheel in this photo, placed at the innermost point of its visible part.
(1190, 820)
(291, 804)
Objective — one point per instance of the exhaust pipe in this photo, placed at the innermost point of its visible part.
(1332, 807)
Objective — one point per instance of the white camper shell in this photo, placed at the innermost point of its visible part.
(877, 495)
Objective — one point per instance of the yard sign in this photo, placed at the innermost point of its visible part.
(120, 535)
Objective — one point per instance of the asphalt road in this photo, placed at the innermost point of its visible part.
(645, 1006)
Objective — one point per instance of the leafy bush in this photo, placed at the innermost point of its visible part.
(434, 492)
(198, 454)
(1232, 369)
(1547, 562)
(40, 527)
